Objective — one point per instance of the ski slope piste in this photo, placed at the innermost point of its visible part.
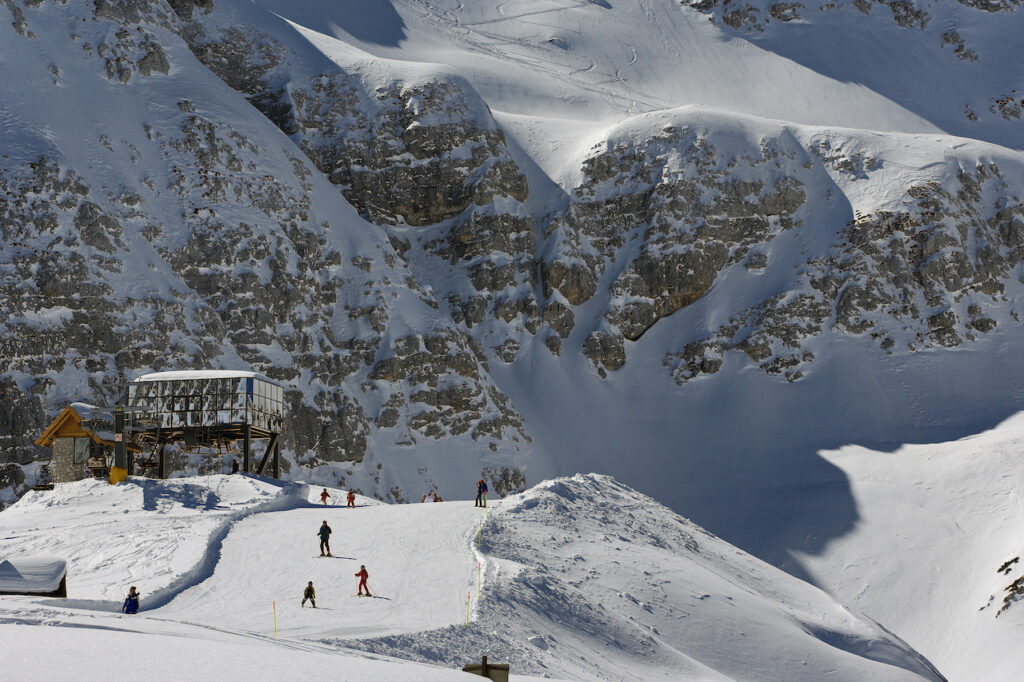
(576, 578)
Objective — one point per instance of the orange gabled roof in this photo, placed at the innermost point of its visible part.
(69, 424)
(61, 422)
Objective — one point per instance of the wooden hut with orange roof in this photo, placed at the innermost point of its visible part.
(83, 441)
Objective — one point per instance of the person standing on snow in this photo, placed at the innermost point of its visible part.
(325, 539)
(131, 602)
(310, 594)
(481, 494)
(323, 497)
(351, 498)
(363, 575)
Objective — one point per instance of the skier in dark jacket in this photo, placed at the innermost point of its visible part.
(325, 539)
(310, 594)
(481, 493)
(363, 575)
(131, 602)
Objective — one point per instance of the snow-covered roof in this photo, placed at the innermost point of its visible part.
(32, 574)
(181, 375)
(88, 411)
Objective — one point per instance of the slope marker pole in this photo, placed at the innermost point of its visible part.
(467, 608)
(275, 618)
(478, 581)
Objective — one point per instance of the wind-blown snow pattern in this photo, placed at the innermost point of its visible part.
(578, 578)
(721, 250)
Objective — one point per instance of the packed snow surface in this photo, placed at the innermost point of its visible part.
(577, 578)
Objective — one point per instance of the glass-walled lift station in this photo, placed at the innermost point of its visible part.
(208, 408)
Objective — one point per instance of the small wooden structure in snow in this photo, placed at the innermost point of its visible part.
(83, 441)
(492, 671)
(38, 576)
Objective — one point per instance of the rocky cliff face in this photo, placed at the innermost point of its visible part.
(204, 242)
(362, 231)
(654, 222)
(931, 272)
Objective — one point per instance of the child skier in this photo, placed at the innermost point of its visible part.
(363, 575)
(310, 594)
(351, 498)
(325, 539)
(131, 602)
(323, 497)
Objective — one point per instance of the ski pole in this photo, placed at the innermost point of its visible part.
(275, 618)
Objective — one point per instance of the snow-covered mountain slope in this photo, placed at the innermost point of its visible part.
(818, 63)
(935, 555)
(585, 569)
(579, 578)
(693, 245)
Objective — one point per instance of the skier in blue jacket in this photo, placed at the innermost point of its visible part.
(325, 539)
(131, 602)
(481, 493)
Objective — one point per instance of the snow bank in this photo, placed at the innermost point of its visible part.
(160, 535)
(38, 575)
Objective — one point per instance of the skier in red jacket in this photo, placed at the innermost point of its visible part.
(363, 575)
(324, 496)
(351, 498)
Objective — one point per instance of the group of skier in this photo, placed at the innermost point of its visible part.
(309, 594)
(325, 535)
(131, 602)
(324, 496)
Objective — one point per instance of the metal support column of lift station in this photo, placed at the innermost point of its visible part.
(273, 450)
(246, 438)
(161, 461)
(120, 451)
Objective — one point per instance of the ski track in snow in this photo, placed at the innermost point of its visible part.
(497, 46)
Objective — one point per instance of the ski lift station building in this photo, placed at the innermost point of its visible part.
(207, 409)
